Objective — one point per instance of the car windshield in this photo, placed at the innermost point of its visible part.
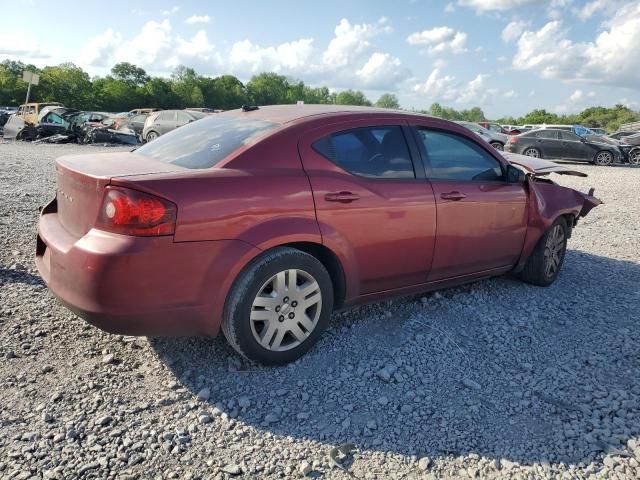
(204, 143)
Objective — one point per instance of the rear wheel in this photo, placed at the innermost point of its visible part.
(278, 307)
(532, 152)
(152, 135)
(603, 158)
(544, 264)
(497, 146)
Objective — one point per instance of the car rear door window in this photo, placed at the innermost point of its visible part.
(453, 157)
(373, 152)
(549, 134)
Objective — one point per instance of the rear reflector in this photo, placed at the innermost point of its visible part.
(130, 212)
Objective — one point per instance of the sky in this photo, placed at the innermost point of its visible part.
(506, 56)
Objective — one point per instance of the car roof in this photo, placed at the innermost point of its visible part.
(284, 114)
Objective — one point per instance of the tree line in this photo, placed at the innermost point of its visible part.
(129, 86)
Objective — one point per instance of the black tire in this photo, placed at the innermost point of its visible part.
(498, 146)
(236, 322)
(634, 156)
(532, 149)
(598, 159)
(535, 270)
(151, 136)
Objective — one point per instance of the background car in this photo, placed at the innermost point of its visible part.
(494, 127)
(632, 139)
(496, 139)
(563, 145)
(260, 222)
(622, 133)
(159, 123)
(135, 123)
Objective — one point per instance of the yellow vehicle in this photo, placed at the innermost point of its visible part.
(29, 112)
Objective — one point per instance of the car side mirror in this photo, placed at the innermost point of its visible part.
(515, 175)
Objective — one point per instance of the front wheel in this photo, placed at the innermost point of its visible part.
(604, 158)
(278, 307)
(498, 146)
(544, 264)
(634, 156)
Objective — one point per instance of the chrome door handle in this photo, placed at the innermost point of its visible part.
(455, 196)
(342, 197)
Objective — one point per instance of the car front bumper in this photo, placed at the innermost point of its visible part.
(139, 285)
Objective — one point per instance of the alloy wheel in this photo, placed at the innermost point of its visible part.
(553, 251)
(286, 310)
(604, 158)
(532, 152)
(634, 157)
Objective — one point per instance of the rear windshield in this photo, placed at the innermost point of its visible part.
(204, 143)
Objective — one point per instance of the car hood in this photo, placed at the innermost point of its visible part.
(539, 167)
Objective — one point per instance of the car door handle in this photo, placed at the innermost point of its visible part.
(455, 196)
(342, 197)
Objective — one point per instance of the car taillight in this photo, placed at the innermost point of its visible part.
(130, 212)
(512, 139)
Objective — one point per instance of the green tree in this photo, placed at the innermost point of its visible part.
(352, 97)
(268, 89)
(129, 73)
(225, 92)
(388, 100)
(13, 90)
(67, 84)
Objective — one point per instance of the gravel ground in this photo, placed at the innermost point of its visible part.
(493, 380)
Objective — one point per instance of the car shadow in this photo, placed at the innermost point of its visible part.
(497, 368)
(8, 275)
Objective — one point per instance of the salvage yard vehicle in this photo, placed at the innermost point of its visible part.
(262, 221)
(29, 112)
(496, 139)
(563, 145)
(159, 123)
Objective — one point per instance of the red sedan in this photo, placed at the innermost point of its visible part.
(263, 221)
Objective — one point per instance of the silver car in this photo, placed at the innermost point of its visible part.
(495, 139)
(159, 123)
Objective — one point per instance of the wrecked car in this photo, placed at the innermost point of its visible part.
(259, 222)
(67, 125)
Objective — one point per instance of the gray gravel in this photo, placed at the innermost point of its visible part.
(493, 380)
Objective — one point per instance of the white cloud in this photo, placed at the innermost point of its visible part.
(246, 58)
(513, 30)
(193, 19)
(15, 44)
(482, 6)
(440, 40)
(446, 88)
(450, 7)
(576, 96)
(349, 60)
(592, 7)
(381, 71)
(171, 11)
(97, 52)
(605, 60)
(510, 94)
(351, 41)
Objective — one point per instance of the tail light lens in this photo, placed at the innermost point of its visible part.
(512, 139)
(130, 212)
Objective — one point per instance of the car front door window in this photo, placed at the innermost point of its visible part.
(452, 157)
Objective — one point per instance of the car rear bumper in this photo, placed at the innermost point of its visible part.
(139, 285)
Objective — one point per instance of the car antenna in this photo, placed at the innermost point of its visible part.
(249, 108)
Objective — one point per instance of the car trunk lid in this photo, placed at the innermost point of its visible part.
(81, 180)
